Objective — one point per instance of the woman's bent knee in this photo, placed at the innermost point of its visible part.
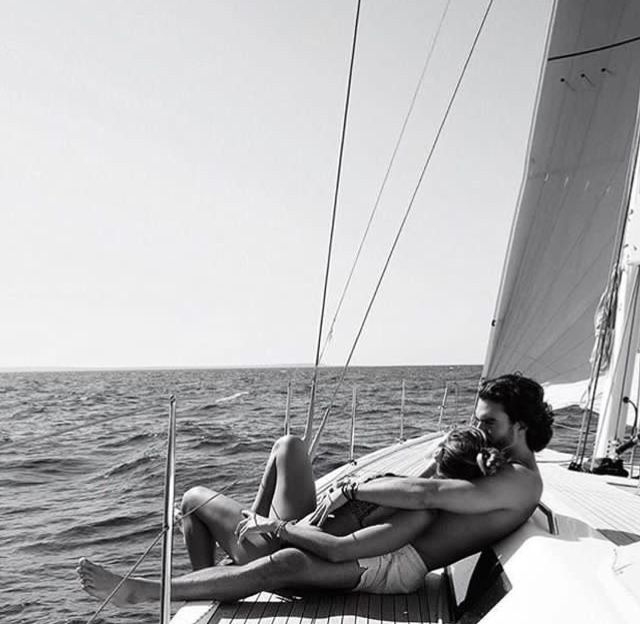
(289, 444)
(194, 497)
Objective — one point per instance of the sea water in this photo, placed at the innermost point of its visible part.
(97, 489)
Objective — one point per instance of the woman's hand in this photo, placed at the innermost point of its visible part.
(254, 523)
(332, 500)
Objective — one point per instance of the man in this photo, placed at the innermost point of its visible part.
(473, 514)
(442, 519)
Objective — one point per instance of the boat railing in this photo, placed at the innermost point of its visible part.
(354, 406)
(402, 412)
(352, 441)
(552, 522)
(169, 495)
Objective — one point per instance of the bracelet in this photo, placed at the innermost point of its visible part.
(354, 490)
(281, 526)
(346, 491)
(349, 490)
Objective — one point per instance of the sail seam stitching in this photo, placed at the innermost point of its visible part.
(593, 50)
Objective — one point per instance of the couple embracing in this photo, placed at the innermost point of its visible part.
(380, 536)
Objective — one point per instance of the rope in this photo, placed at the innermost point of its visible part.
(386, 175)
(611, 302)
(140, 559)
(333, 222)
(629, 322)
(400, 229)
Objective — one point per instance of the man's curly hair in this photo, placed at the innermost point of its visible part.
(522, 399)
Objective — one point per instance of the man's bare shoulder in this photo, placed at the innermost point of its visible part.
(521, 480)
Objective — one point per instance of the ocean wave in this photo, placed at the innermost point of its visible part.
(133, 464)
(84, 538)
(134, 438)
(52, 465)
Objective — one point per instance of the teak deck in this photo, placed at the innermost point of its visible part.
(609, 504)
(427, 605)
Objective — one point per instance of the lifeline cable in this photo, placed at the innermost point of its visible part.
(140, 559)
(397, 237)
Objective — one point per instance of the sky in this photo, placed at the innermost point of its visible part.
(167, 177)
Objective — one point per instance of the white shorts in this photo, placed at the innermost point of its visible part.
(399, 572)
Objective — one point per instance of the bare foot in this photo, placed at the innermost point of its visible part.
(100, 582)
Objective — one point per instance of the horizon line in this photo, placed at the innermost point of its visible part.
(47, 369)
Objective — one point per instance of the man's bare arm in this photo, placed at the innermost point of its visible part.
(378, 539)
(514, 486)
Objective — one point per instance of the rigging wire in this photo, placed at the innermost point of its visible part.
(386, 176)
(400, 229)
(345, 117)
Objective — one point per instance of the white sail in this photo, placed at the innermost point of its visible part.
(573, 203)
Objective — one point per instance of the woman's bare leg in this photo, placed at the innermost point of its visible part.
(287, 491)
(287, 568)
(216, 521)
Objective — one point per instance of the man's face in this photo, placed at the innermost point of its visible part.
(492, 420)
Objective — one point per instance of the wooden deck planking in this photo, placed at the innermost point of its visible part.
(428, 605)
(609, 504)
(350, 613)
(413, 608)
(337, 609)
(311, 611)
(322, 611)
(375, 608)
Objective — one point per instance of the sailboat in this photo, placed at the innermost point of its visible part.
(567, 315)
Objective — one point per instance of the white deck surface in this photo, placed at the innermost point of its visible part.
(609, 504)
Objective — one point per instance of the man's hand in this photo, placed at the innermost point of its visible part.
(332, 500)
(254, 523)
